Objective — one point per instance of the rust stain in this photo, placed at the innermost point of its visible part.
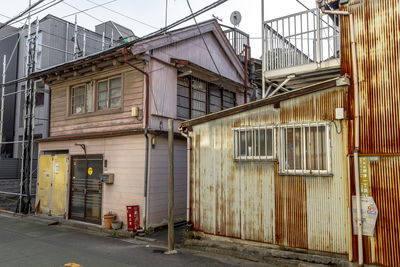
(377, 34)
(291, 211)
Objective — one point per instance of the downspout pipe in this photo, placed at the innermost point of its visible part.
(188, 148)
(246, 55)
(146, 129)
(356, 124)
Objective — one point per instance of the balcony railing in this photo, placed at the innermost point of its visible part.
(301, 38)
(237, 38)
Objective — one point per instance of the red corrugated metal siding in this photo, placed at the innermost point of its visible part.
(384, 248)
(291, 210)
(385, 188)
(377, 37)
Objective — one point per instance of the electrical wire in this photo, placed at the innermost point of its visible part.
(202, 37)
(21, 13)
(81, 11)
(42, 8)
(119, 13)
(90, 8)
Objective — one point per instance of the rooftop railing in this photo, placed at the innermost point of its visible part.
(237, 38)
(301, 38)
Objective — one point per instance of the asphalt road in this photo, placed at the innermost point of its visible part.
(26, 243)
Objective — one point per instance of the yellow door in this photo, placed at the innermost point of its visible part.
(44, 182)
(59, 186)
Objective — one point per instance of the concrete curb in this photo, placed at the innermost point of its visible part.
(263, 254)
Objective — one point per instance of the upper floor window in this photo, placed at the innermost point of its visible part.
(197, 98)
(305, 148)
(109, 93)
(82, 98)
(254, 143)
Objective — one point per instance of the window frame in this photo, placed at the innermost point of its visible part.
(237, 143)
(304, 155)
(72, 98)
(224, 95)
(108, 107)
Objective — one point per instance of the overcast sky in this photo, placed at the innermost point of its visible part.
(152, 13)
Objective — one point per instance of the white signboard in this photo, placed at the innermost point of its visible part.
(369, 214)
(57, 168)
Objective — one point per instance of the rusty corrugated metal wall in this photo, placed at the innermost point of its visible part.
(251, 201)
(377, 28)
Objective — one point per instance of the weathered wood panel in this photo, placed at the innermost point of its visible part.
(64, 123)
(194, 50)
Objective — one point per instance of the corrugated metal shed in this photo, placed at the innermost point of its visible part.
(377, 37)
(250, 200)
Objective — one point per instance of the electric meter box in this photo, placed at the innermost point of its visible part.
(107, 178)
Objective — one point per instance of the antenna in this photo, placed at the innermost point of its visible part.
(235, 18)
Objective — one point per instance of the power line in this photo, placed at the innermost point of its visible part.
(90, 8)
(202, 37)
(119, 13)
(81, 11)
(42, 8)
(21, 13)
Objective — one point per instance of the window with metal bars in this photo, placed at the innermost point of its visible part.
(196, 98)
(254, 143)
(305, 149)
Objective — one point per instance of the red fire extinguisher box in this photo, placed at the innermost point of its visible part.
(133, 217)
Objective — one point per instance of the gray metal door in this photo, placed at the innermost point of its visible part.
(86, 188)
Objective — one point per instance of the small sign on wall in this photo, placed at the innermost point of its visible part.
(369, 214)
(57, 168)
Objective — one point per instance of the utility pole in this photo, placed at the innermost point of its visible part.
(3, 88)
(171, 241)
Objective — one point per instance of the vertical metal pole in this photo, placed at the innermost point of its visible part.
(166, 13)
(112, 38)
(102, 42)
(24, 115)
(84, 43)
(171, 241)
(263, 42)
(76, 39)
(32, 118)
(2, 101)
(66, 42)
(318, 36)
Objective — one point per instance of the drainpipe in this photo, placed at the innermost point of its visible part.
(146, 129)
(246, 47)
(188, 148)
(356, 125)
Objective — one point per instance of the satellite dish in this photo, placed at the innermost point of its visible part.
(236, 17)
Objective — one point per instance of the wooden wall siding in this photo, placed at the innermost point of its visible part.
(125, 158)
(163, 84)
(158, 182)
(61, 123)
(194, 50)
(250, 200)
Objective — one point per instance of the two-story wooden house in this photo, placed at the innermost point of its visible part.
(108, 118)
